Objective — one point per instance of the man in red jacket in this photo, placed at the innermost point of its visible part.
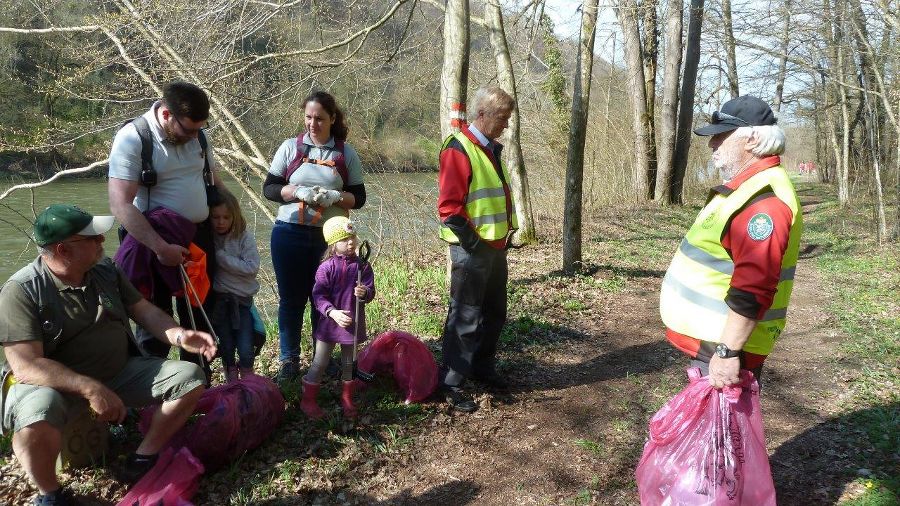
(478, 219)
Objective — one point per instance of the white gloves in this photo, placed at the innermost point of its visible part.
(317, 196)
(306, 194)
(327, 198)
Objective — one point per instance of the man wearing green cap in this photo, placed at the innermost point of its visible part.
(68, 343)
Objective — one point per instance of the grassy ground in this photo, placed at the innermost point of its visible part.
(863, 280)
(586, 354)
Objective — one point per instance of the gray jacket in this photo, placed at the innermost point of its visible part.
(238, 263)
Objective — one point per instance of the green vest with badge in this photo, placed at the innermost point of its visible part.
(692, 299)
(486, 201)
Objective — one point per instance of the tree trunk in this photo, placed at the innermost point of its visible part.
(650, 56)
(515, 161)
(781, 76)
(730, 53)
(581, 100)
(844, 164)
(626, 11)
(455, 73)
(686, 106)
(669, 114)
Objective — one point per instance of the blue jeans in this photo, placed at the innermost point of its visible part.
(234, 328)
(296, 253)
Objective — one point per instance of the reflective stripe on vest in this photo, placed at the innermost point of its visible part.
(486, 200)
(692, 299)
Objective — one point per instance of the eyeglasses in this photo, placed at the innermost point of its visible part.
(190, 131)
(718, 117)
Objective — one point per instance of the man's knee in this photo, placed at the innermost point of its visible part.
(183, 379)
(37, 406)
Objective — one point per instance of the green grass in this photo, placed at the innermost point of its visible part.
(865, 303)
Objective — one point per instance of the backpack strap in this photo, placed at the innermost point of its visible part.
(143, 131)
(339, 163)
(207, 172)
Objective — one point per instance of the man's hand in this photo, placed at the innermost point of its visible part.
(172, 254)
(341, 317)
(198, 342)
(724, 371)
(106, 404)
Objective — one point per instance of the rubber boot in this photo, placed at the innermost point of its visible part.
(231, 374)
(347, 399)
(309, 405)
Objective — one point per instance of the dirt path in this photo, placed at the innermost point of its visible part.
(573, 430)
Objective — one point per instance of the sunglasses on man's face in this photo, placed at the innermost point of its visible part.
(190, 131)
(719, 116)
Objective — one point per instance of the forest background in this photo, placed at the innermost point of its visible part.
(606, 104)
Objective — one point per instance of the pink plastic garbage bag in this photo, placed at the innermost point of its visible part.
(236, 417)
(172, 481)
(707, 447)
(407, 358)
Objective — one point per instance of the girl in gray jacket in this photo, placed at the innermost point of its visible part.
(234, 287)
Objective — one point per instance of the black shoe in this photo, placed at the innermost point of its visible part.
(288, 372)
(492, 380)
(135, 467)
(59, 497)
(459, 400)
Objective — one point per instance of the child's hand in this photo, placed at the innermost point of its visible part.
(341, 317)
(360, 291)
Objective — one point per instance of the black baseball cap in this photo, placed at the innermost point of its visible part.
(739, 112)
(60, 221)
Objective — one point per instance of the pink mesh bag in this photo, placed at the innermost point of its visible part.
(236, 417)
(172, 481)
(405, 357)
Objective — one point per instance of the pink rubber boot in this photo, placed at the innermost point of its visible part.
(309, 405)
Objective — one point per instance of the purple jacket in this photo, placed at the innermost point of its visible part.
(138, 261)
(335, 280)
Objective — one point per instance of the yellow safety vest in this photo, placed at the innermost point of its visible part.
(692, 299)
(486, 199)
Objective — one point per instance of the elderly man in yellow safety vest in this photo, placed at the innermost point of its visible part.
(725, 295)
(478, 219)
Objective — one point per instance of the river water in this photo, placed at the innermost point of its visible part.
(400, 209)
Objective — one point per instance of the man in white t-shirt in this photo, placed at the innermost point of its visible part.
(176, 180)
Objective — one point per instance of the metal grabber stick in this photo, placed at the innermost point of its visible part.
(362, 258)
(185, 283)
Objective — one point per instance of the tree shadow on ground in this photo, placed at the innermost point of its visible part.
(455, 492)
(613, 364)
(815, 466)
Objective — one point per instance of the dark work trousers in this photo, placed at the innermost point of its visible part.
(204, 239)
(477, 312)
(296, 253)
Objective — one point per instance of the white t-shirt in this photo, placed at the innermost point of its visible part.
(179, 170)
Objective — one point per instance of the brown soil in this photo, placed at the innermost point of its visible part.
(572, 428)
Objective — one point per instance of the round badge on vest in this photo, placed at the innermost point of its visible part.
(760, 227)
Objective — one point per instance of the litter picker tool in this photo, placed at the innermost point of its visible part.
(185, 284)
(362, 258)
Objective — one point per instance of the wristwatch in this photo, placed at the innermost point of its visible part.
(724, 351)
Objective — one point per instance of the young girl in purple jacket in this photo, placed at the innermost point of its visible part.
(334, 295)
